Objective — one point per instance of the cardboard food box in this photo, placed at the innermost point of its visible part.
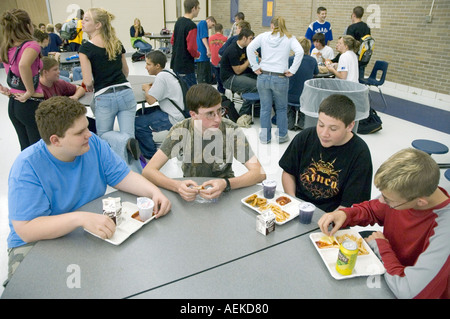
(265, 223)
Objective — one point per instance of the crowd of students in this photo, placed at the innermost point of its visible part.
(328, 165)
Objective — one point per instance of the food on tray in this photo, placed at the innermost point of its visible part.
(283, 200)
(280, 215)
(334, 242)
(256, 201)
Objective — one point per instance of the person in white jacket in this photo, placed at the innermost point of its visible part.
(273, 75)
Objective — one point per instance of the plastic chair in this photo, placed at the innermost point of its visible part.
(431, 147)
(372, 79)
(252, 98)
(297, 109)
(447, 174)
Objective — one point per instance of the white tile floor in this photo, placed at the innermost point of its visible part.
(395, 135)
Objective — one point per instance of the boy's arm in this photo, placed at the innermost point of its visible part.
(153, 174)
(137, 185)
(255, 174)
(50, 227)
(288, 182)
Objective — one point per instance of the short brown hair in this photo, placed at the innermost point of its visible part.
(56, 115)
(340, 107)
(202, 95)
(48, 63)
(189, 5)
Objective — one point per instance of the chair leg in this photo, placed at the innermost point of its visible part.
(382, 96)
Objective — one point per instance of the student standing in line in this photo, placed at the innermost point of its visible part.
(216, 41)
(203, 62)
(273, 75)
(24, 93)
(184, 43)
(105, 72)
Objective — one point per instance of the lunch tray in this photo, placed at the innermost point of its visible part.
(129, 224)
(292, 208)
(366, 265)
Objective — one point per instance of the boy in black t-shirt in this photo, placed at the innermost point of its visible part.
(235, 71)
(328, 165)
(184, 42)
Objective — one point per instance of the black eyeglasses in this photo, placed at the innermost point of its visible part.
(393, 207)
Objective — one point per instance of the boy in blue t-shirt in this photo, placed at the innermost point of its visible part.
(320, 26)
(63, 171)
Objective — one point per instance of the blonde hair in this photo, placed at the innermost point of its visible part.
(410, 173)
(112, 43)
(351, 43)
(305, 43)
(279, 25)
(15, 26)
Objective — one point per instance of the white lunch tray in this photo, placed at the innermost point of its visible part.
(292, 208)
(366, 265)
(127, 226)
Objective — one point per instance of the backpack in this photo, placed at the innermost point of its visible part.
(230, 111)
(184, 89)
(137, 56)
(371, 124)
(366, 49)
(69, 30)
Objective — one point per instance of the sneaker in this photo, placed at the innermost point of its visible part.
(133, 148)
(264, 142)
(283, 139)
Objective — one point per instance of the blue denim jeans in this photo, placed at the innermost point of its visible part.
(273, 90)
(118, 103)
(153, 120)
(143, 47)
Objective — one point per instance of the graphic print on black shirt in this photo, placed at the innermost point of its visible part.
(321, 179)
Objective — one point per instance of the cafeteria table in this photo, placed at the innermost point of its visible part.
(191, 239)
(291, 269)
(68, 65)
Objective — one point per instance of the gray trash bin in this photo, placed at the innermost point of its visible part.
(316, 90)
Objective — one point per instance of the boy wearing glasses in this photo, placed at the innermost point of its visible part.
(415, 212)
(207, 144)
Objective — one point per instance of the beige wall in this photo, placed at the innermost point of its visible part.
(417, 52)
(150, 12)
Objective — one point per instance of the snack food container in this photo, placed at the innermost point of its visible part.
(265, 223)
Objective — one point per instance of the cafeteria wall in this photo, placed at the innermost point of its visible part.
(417, 51)
(150, 12)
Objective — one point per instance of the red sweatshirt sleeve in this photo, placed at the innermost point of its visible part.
(191, 41)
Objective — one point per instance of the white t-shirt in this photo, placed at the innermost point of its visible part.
(326, 51)
(349, 62)
(166, 87)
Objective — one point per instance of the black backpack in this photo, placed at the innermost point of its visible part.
(371, 124)
(230, 111)
(137, 56)
(184, 89)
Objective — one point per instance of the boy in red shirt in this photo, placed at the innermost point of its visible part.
(415, 212)
(216, 41)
